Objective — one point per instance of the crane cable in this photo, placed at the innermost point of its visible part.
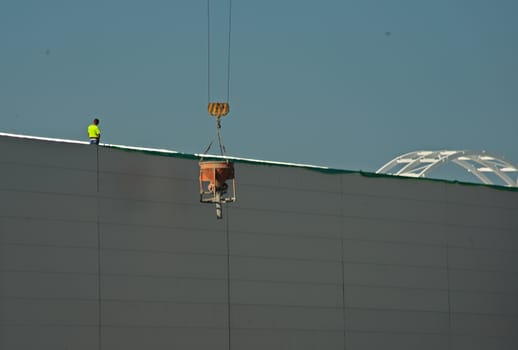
(218, 125)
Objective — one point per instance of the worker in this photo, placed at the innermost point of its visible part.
(94, 133)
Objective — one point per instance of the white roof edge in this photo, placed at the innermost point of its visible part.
(160, 150)
(43, 138)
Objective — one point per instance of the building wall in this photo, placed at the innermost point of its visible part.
(102, 248)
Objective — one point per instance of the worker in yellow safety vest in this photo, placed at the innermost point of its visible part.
(94, 133)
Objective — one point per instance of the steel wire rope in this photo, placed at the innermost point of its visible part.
(342, 263)
(228, 49)
(222, 148)
(99, 259)
(229, 305)
(220, 142)
(208, 51)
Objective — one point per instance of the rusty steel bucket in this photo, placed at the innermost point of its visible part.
(214, 174)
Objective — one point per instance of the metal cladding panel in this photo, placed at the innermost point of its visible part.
(280, 339)
(48, 179)
(23, 312)
(164, 338)
(19, 257)
(400, 188)
(397, 231)
(483, 281)
(464, 342)
(483, 216)
(110, 248)
(48, 206)
(392, 208)
(385, 298)
(179, 240)
(483, 196)
(375, 320)
(385, 275)
(287, 294)
(388, 253)
(286, 317)
(289, 200)
(395, 341)
(157, 214)
(29, 230)
(481, 238)
(281, 177)
(48, 336)
(47, 285)
(148, 188)
(38, 153)
(484, 303)
(489, 325)
(159, 264)
(166, 315)
(279, 270)
(163, 289)
(482, 259)
(282, 222)
(290, 247)
(134, 163)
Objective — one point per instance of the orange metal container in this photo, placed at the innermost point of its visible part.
(216, 173)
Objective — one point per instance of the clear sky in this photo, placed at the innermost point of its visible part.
(339, 83)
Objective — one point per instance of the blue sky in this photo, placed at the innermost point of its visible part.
(344, 84)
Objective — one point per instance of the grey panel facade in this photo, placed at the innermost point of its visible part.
(103, 248)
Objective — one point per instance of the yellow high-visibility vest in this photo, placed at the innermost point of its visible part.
(93, 131)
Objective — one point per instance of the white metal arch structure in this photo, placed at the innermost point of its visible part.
(420, 163)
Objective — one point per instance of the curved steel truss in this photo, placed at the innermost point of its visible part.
(420, 163)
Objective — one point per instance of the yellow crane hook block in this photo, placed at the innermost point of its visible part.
(218, 109)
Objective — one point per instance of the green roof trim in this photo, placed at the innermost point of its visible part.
(320, 169)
